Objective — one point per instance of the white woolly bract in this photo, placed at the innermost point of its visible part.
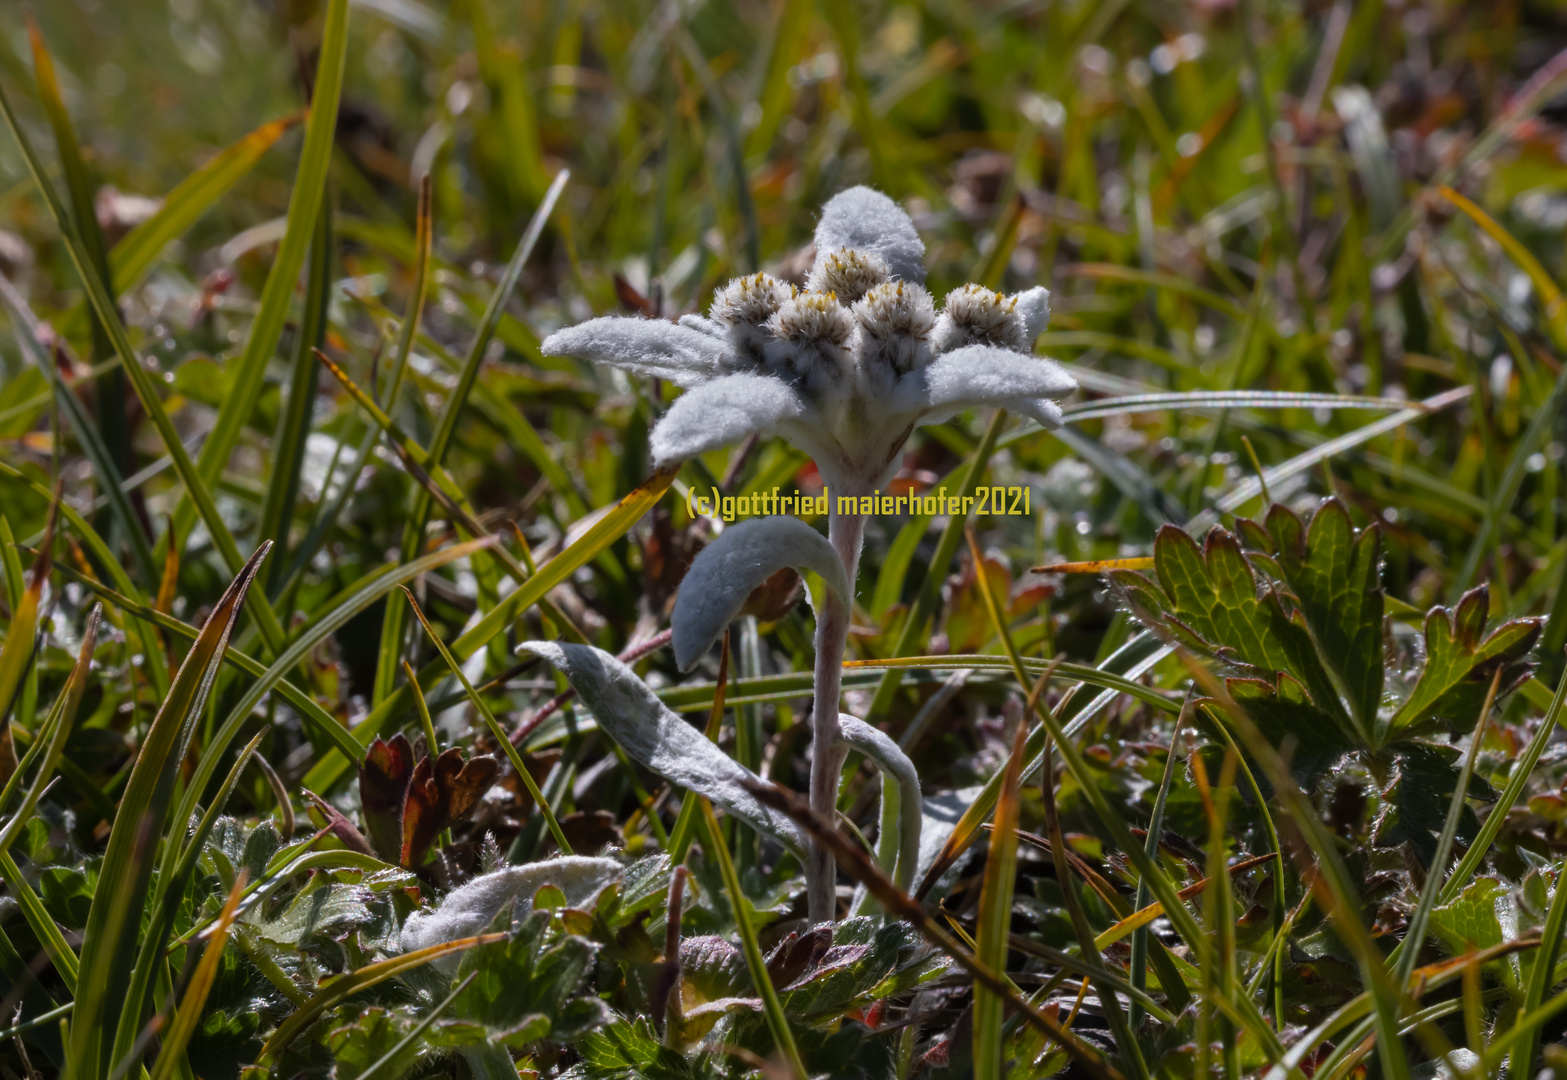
(724, 574)
(847, 274)
(897, 307)
(720, 412)
(1033, 308)
(863, 219)
(652, 735)
(982, 375)
(812, 317)
(680, 354)
(975, 315)
(751, 299)
(894, 764)
(471, 908)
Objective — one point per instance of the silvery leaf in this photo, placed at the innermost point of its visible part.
(628, 712)
(470, 909)
(721, 412)
(712, 328)
(896, 766)
(983, 375)
(680, 354)
(863, 219)
(731, 567)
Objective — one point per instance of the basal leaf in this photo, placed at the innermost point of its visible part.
(1480, 917)
(1212, 602)
(1460, 663)
(1335, 575)
(1415, 801)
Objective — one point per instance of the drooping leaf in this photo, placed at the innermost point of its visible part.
(731, 568)
(631, 714)
(474, 906)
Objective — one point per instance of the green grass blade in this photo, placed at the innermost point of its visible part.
(1546, 414)
(929, 600)
(345, 986)
(40, 922)
(174, 878)
(109, 941)
(610, 527)
(293, 421)
(446, 429)
(303, 206)
(113, 430)
(1248, 490)
(995, 918)
(772, 1009)
(16, 656)
(58, 729)
(413, 1036)
(178, 1035)
(1126, 1043)
(141, 378)
(191, 198)
(1139, 968)
(1414, 935)
(24, 326)
(347, 745)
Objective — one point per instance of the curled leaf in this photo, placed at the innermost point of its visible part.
(744, 557)
(655, 737)
(896, 767)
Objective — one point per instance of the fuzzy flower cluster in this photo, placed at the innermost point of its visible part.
(845, 368)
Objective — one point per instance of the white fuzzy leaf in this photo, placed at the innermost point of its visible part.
(470, 909)
(652, 735)
(680, 354)
(984, 375)
(863, 219)
(1033, 307)
(895, 764)
(721, 412)
(712, 329)
(727, 570)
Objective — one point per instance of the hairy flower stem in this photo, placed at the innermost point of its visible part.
(845, 532)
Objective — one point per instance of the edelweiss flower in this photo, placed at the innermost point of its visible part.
(847, 368)
(844, 370)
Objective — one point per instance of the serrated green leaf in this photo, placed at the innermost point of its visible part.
(1459, 665)
(1479, 917)
(1334, 574)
